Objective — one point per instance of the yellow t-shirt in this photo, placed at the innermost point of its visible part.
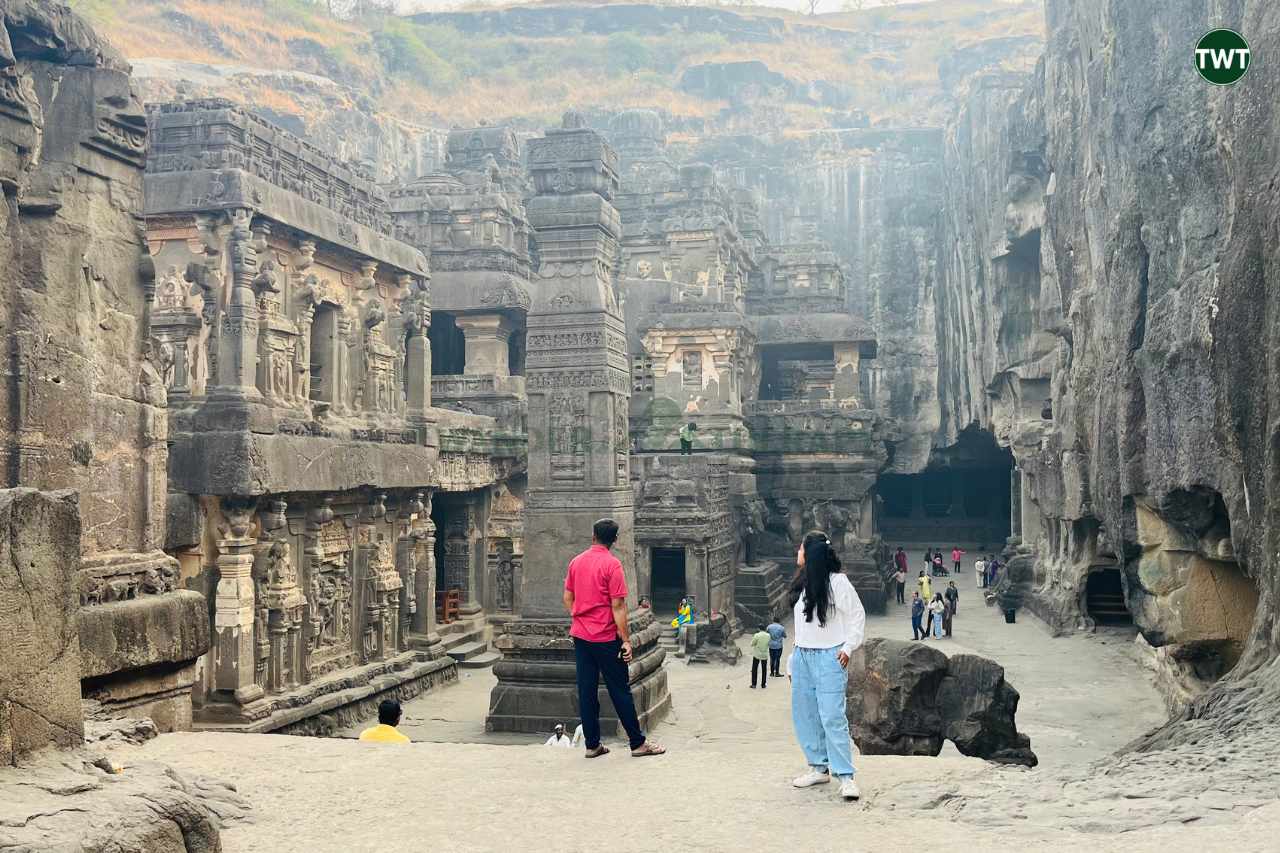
(926, 588)
(382, 733)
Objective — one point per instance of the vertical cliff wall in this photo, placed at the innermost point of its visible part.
(1107, 259)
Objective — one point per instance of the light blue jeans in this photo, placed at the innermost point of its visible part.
(937, 626)
(817, 710)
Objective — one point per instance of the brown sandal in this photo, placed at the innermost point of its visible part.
(647, 748)
(598, 751)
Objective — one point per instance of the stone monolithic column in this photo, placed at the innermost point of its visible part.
(578, 380)
(238, 336)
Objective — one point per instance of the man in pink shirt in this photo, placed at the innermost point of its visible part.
(595, 594)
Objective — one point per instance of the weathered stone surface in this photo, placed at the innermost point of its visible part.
(978, 706)
(125, 635)
(905, 698)
(892, 698)
(40, 655)
(82, 803)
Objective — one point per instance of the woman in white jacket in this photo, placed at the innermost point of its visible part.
(829, 625)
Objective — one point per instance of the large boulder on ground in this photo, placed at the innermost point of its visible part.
(905, 698)
(977, 706)
(892, 693)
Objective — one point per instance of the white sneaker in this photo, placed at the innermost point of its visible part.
(811, 778)
(849, 789)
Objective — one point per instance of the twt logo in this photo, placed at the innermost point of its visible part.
(1222, 56)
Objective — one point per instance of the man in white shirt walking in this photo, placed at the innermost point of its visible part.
(980, 572)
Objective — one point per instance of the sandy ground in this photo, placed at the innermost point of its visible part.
(724, 784)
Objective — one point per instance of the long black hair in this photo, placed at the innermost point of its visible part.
(814, 580)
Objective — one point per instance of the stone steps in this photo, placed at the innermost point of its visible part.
(480, 661)
(467, 651)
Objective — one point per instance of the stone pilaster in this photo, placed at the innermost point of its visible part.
(578, 382)
(233, 617)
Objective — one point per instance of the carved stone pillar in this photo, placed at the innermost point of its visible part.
(284, 600)
(238, 336)
(417, 356)
(424, 534)
(847, 382)
(233, 617)
(488, 337)
(578, 381)
(1015, 503)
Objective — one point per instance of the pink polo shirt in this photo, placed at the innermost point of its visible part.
(595, 578)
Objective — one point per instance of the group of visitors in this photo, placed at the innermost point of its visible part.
(830, 625)
(986, 569)
(933, 615)
(766, 650)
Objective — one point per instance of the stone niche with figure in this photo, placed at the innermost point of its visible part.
(306, 454)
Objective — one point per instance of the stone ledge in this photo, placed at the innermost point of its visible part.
(345, 700)
(125, 635)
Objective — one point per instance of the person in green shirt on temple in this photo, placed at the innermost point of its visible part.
(686, 438)
(760, 656)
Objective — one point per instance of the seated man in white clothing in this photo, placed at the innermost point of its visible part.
(559, 738)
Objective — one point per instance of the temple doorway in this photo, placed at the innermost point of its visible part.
(667, 579)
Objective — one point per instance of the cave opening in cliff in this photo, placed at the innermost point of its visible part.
(962, 497)
(1104, 598)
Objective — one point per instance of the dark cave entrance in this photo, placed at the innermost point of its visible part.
(1104, 598)
(667, 579)
(961, 498)
(797, 371)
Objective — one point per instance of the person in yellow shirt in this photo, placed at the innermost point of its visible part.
(385, 730)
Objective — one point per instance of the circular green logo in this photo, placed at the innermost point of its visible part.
(1222, 56)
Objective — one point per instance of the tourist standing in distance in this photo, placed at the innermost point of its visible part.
(686, 438)
(956, 553)
(777, 636)
(939, 570)
(829, 624)
(760, 657)
(928, 559)
(980, 572)
(917, 618)
(952, 595)
(595, 594)
(937, 609)
(385, 730)
(924, 586)
(559, 738)
(900, 560)
(900, 584)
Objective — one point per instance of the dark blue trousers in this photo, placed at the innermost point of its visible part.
(594, 660)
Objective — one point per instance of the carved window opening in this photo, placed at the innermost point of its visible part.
(448, 346)
(642, 373)
(691, 369)
(324, 349)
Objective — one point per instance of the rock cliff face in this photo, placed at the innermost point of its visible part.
(1106, 260)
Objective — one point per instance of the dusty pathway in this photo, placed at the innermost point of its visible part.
(724, 785)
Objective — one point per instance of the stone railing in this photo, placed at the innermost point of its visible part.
(454, 387)
(757, 408)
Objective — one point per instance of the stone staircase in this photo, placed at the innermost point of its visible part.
(467, 642)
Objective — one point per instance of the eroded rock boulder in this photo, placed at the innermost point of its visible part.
(905, 698)
(39, 649)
